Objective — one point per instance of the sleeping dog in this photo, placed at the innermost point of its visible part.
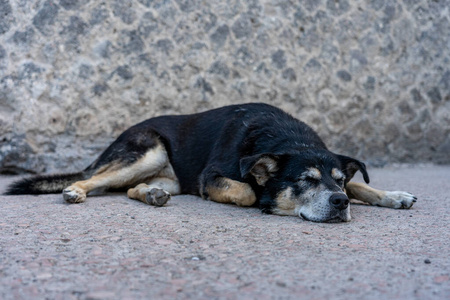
(250, 155)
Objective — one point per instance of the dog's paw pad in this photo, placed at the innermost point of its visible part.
(399, 199)
(73, 195)
(157, 197)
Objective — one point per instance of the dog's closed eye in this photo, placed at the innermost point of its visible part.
(337, 175)
(311, 174)
(310, 179)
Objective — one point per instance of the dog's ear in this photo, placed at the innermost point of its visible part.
(260, 166)
(350, 166)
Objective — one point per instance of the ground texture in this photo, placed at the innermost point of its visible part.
(114, 248)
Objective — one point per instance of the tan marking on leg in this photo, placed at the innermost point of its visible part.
(115, 175)
(365, 193)
(138, 192)
(169, 185)
(113, 166)
(157, 192)
(285, 204)
(231, 191)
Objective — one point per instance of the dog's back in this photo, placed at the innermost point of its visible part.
(227, 134)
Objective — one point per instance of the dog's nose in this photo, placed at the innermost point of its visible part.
(339, 201)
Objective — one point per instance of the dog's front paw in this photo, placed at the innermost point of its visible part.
(157, 197)
(398, 199)
(74, 195)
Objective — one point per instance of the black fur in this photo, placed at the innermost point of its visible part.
(43, 184)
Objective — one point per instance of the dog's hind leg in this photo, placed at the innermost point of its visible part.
(365, 193)
(120, 174)
(158, 190)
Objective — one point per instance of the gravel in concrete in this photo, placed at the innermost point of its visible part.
(114, 248)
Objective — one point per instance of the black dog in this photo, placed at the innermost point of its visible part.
(249, 154)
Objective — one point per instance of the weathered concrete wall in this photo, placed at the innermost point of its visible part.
(372, 77)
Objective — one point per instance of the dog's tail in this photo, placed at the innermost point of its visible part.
(43, 184)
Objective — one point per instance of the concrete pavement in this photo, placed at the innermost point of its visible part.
(114, 248)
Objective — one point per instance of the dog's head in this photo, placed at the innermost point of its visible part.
(309, 184)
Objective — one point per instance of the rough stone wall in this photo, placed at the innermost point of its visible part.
(372, 77)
